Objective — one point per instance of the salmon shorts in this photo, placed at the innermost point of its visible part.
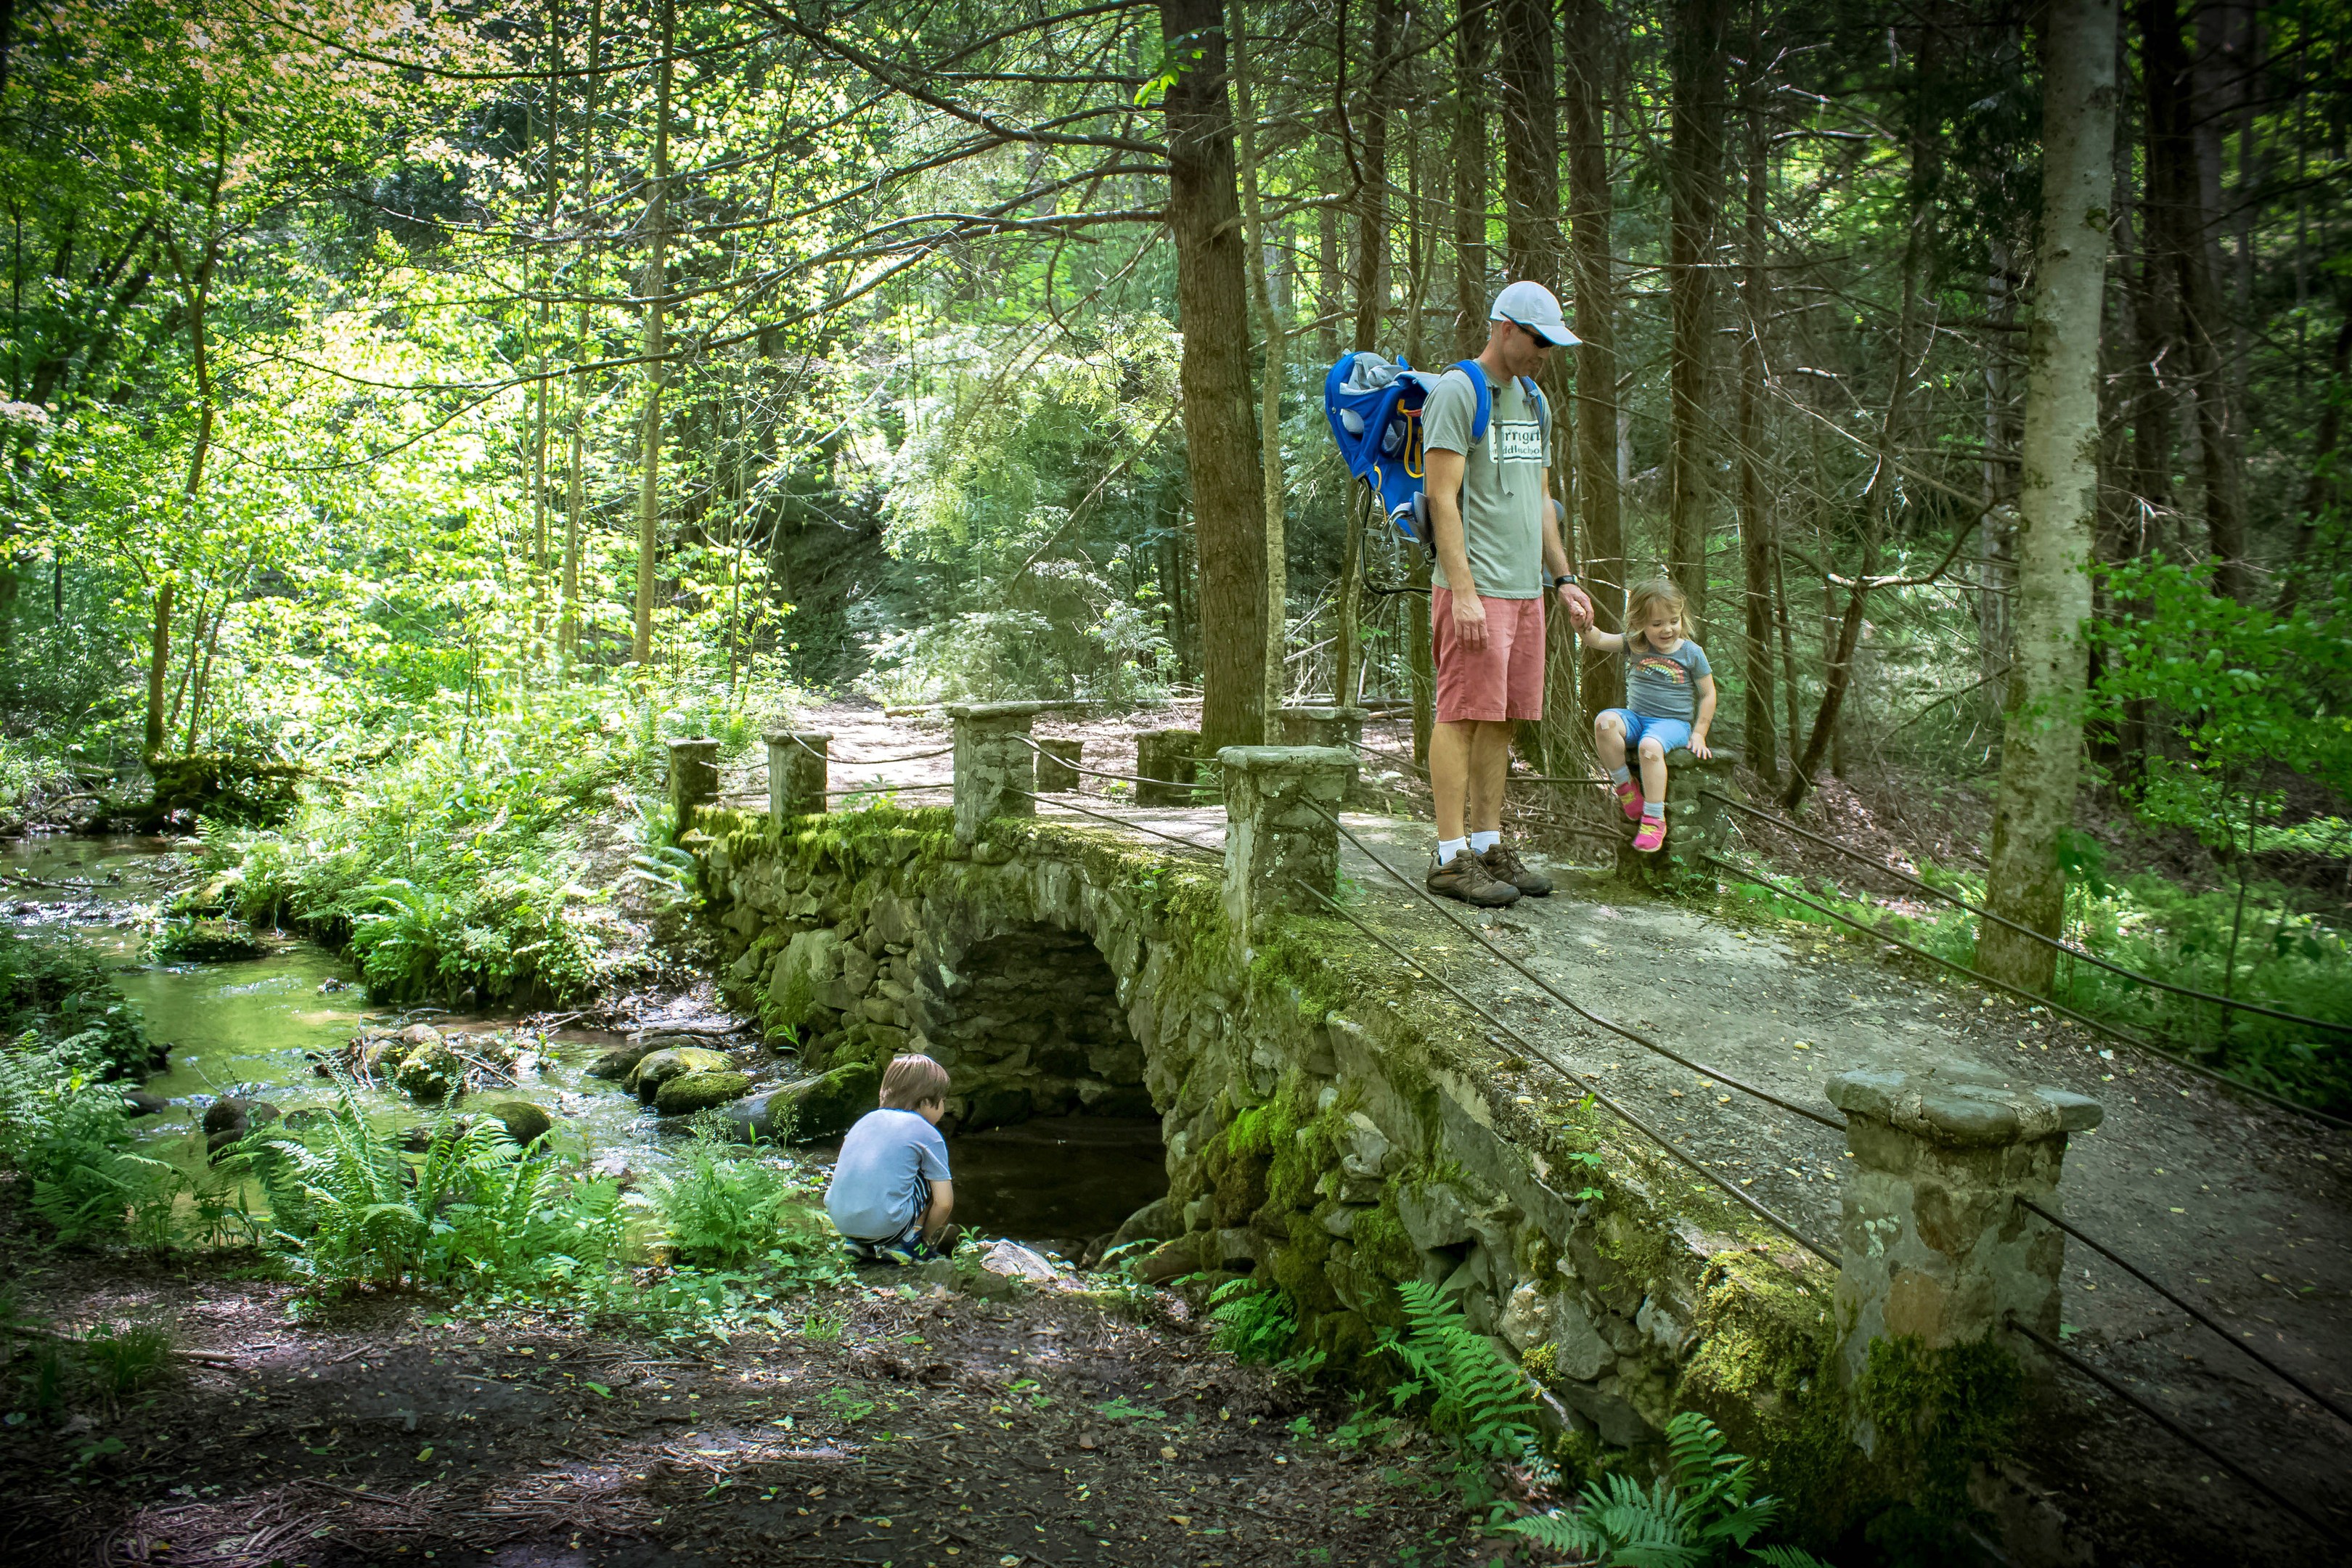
(1503, 681)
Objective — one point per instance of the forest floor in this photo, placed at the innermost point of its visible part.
(2241, 1206)
(891, 1425)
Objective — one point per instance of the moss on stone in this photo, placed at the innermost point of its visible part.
(1939, 1416)
(693, 1091)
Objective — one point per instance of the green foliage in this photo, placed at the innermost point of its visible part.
(1701, 1512)
(470, 1213)
(725, 1210)
(62, 1129)
(1473, 1396)
(61, 990)
(1255, 1322)
(126, 1357)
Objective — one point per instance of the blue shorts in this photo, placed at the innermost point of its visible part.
(1671, 734)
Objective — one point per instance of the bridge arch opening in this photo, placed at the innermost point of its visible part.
(1051, 1134)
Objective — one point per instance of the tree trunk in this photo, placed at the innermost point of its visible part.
(2057, 503)
(159, 659)
(1527, 53)
(1755, 506)
(2320, 490)
(1373, 201)
(1470, 301)
(1694, 178)
(1214, 375)
(567, 632)
(1591, 210)
(1328, 293)
(656, 286)
(2180, 222)
(1270, 377)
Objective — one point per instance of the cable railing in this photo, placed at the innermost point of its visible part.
(2085, 1019)
(2264, 1361)
(868, 761)
(1066, 805)
(1599, 1097)
(1568, 1002)
(1108, 773)
(2060, 1353)
(2227, 1004)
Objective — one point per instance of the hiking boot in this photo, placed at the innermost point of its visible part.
(1506, 867)
(1466, 877)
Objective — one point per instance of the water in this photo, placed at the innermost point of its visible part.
(246, 1027)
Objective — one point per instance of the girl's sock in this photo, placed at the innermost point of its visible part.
(1656, 808)
(1482, 842)
(1447, 849)
(1620, 775)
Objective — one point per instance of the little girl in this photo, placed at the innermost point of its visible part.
(1669, 702)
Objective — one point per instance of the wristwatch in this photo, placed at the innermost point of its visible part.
(1566, 579)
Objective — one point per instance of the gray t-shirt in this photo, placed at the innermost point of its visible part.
(1663, 685)
(882, 1182)
(1502, 500)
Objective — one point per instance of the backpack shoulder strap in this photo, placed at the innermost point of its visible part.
(1486, 413)
(1535, 395)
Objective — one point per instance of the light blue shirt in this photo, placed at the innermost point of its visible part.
(882, 1182)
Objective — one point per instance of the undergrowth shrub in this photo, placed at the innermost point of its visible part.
(732, 1208)
(1702, 1512)
(125, 1358)
(1255, 1322)
(60, 990)
(1473, 1397)
(472, 1212)
(63, 1130)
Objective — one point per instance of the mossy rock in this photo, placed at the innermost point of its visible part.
(429, 1071)
(622, 1060)
(648, 1077)
(524, 1121)
(689, 1092)
(208, 940)
(827, 1104)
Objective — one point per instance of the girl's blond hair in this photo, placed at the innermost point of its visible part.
(1645, 596)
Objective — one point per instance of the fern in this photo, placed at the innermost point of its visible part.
(1254, 1322)
(1694, 1516)
(1478, 1399)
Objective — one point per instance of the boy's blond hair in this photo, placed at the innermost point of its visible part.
(1647, 596)
(910, 1080)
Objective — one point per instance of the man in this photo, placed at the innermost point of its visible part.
(1499, 555)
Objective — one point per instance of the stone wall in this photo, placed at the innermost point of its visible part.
(1327, 1127)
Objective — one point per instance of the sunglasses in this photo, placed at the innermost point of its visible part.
(1534, 336)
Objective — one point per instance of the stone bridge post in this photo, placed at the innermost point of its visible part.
(1319, 726)
(1697, 824)
(993, 761)
(1934, 1243)
(798, 772)
(693, 776)
(1275, 835)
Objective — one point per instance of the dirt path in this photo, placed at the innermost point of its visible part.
(879, 1427)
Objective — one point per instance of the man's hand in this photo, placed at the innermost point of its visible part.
(1469, 620)
(1578, 605)
(1698, 747)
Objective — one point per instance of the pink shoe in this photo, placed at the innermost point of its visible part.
(1629, 794)
(1652, 835)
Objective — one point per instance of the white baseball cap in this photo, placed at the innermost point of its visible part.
(1533, 306)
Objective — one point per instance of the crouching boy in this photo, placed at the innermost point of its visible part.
(890, 1195)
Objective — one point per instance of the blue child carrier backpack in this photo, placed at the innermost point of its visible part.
(1374, 408)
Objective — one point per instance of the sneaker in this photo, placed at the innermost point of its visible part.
(1652, 835)
(1508, 867)
(1629, 795)
(1466, 877)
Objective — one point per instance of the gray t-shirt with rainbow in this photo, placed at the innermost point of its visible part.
(1663, 685)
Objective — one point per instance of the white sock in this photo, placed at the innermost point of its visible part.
(1482, 842)
(1656, 808)
(1620, 775)
(1447, 849)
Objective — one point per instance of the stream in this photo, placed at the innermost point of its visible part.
(247, 1028)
